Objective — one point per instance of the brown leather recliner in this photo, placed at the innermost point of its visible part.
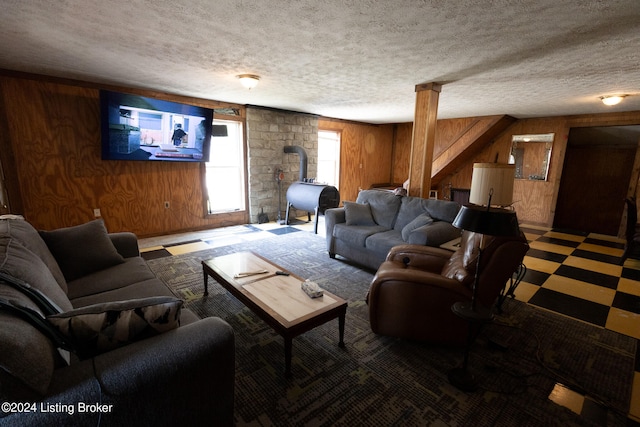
(413, 290)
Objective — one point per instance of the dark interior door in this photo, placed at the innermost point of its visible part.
(595, 178)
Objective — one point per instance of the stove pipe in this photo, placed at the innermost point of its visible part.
(295, 149)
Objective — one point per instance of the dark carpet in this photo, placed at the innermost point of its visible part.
(382, 381)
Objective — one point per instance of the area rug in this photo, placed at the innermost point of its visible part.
(382, 381)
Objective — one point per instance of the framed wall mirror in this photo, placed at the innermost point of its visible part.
(531, 155)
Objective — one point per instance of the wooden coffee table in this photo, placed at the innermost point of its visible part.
(276, 299)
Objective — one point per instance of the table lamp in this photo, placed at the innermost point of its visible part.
(484, 220)
(497, 178)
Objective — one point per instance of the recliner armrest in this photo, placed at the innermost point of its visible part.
(399, 276)
(420, 257)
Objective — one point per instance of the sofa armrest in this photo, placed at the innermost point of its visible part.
(126, 244)
(332, 217)
(190, 369)
(425, 258)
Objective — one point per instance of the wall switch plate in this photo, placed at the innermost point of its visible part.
(96, 213)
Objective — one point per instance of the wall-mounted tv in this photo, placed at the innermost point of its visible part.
(135, 127)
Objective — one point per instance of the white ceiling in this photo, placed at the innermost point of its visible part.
(350, 59)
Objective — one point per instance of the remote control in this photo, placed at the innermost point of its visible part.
(282, 273)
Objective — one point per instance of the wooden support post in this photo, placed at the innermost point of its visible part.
(423, 139)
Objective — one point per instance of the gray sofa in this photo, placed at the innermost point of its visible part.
(180, 375)
(366, 230)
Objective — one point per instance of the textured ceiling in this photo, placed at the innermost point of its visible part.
(349, 59)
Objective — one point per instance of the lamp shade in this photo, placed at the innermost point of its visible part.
(498, 177)
(487, 220)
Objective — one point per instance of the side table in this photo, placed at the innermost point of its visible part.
(476, 316)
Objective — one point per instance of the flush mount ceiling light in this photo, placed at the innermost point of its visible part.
(612, 100)
(249, 80)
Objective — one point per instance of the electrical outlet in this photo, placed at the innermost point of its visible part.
(166, 205)
(96, 213)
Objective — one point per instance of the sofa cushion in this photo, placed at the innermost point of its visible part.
(419, 221)
(420, 235)
(145, 289)
(28, 237)
(98, 328)
(82, 249)
(384, 206)
(358, 214)
(21, 263)
(381, 243)
(356, 235)
(27, 357)
(131, 271)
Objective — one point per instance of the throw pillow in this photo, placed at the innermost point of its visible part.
(82, 249)
(99, 328)
(25, 234)
(44, 303)
(358, 214)
(18, 261)
(28, 358)
(419, 221)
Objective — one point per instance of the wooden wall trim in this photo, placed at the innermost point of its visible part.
(606, 119)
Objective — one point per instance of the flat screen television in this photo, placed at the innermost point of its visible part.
(135, 127)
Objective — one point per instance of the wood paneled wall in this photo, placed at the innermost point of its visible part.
(50, 149)
(53, 135)
(365, 154)
(534, 201)
(402, 152)
(447, 130)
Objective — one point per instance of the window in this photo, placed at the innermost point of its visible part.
(329, 157)
(225, 169)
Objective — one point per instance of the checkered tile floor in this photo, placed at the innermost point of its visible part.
(580, 275)
(575, 274)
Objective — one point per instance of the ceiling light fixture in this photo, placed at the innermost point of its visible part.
(612, 100)
(249, 80)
